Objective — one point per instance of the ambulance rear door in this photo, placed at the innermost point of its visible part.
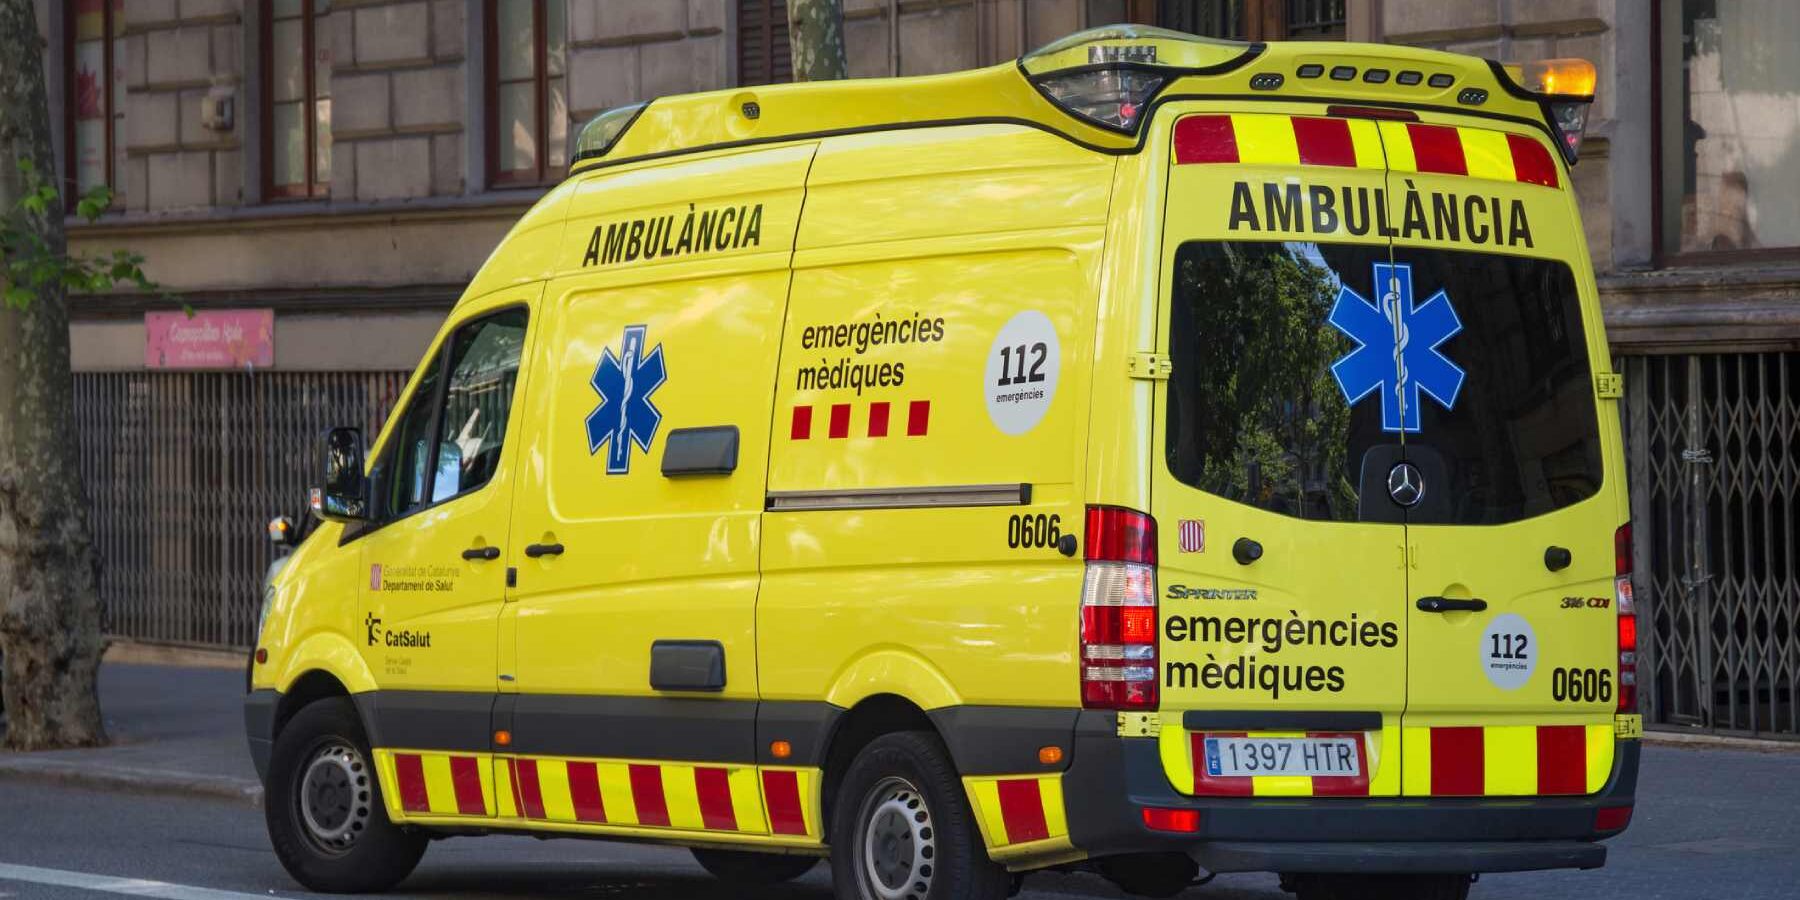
(1508, 477)
(1282, 611)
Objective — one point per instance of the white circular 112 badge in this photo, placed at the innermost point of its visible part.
(1509, 651)
(1022, 370)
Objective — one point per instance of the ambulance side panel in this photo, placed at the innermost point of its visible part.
(930, 411)
(639, 503)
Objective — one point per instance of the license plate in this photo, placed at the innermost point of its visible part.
(1238, 757)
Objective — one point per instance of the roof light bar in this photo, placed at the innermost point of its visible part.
(1565, 88)
(1108, 76)
(604, 130)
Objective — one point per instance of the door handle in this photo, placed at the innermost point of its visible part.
(1557, 559)
(1246, 551)
(1448, 604)
(482, 553)
(536, 550)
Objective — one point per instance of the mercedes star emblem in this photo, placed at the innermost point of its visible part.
(1406, 485)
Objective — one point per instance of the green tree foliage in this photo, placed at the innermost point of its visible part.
(1260, 351)
(28, 264)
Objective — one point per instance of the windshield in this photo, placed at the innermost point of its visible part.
(1304, 372)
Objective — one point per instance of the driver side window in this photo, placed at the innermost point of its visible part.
(448, 442)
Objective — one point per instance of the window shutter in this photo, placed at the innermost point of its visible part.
(763, 53)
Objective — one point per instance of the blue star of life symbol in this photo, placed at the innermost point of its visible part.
(1397, 348)
(625, 415)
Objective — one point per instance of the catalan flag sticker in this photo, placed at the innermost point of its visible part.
(1192, 535)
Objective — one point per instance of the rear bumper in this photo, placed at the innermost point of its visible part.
(1112, 779)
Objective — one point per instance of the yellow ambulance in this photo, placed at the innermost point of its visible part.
(1156, 457)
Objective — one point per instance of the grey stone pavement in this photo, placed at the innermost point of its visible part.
(163, 813)
(173, 728)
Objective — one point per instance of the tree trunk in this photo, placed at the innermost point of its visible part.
(816, 35)
(49, 577)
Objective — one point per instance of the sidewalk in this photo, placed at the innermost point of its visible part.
(173, 729)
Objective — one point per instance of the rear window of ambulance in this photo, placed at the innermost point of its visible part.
(1287, 392)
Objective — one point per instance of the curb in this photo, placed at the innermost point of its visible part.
(1688, 741)
(130, 778)
(143, 654)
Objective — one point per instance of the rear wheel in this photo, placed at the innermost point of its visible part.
(1378, 887)
(901, 828)
(741, 867)
(323, 805)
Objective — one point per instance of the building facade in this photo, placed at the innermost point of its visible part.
(319, 178)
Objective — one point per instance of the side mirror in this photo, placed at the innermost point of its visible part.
(344, 498)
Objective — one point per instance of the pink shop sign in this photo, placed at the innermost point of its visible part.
(213, 339)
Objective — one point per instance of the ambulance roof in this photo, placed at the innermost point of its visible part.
(1093, 88)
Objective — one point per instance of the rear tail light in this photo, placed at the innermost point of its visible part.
(1118, 611)
(1570, 118)
(1372, 112)
(1109, 76)
(1110, 98)
(1626, 604)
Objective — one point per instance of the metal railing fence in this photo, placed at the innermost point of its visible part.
(184, 470)
(1714, 447)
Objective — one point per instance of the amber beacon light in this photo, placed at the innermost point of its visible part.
(1566, 88)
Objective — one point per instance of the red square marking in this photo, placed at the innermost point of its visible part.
(918, 418)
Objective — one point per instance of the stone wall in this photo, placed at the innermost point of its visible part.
(1520, 30)
(949, 35)
(623, 51)
(399, 98)
(174, 54)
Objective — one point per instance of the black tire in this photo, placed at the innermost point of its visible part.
(901, 828)
(350, 847)
(1380, 887)
(753, 869)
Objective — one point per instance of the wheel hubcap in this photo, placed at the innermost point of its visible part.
(898, 843)
(335, 797)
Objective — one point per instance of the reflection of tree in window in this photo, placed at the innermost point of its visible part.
(486, 365)
(463, 452)
(1254, 413)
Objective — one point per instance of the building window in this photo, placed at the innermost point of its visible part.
(1256, 20)
(1728, 119)
(763, 53)
(527, 95)
(297, 96)
(96, 92)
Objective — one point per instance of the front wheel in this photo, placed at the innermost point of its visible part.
(1378, 887)
(323, 806)
(901, 828)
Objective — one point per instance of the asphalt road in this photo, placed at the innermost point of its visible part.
(1710, 824)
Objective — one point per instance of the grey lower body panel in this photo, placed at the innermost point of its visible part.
(259, 727)
(1397, 857)
(1111, 780)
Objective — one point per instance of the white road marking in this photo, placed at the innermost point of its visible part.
(132, 887)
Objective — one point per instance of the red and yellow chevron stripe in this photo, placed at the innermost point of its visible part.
(644, 794)
(1278, 140)
(1507, 760)
(747, 800)
(1013, 811)
(442, 784)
